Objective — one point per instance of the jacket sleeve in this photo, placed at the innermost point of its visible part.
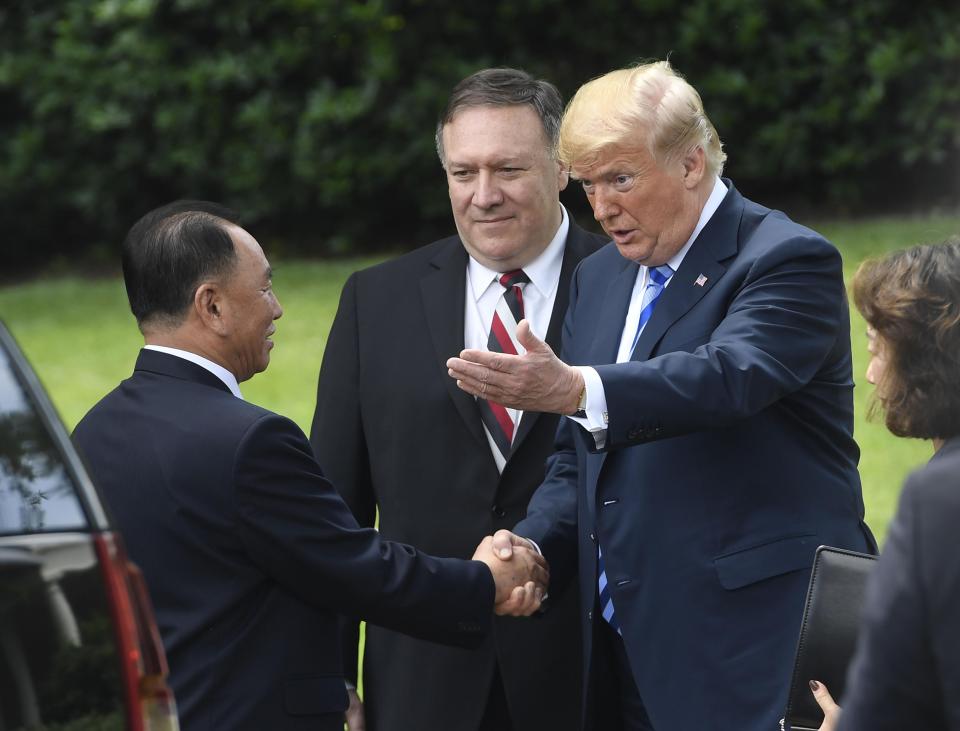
(297, 529)
(779, 329)
(551, 518)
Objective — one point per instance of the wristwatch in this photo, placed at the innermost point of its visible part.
(581, 412)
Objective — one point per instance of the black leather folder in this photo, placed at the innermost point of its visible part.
(828, 633)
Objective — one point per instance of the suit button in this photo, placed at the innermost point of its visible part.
(590, 615)
(593, 537)
(498, 511)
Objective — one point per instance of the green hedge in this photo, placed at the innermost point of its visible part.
(315, 117)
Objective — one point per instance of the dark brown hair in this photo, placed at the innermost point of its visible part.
(503, 87)
(912, 299)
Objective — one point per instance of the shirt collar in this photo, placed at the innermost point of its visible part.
(544, 271)
(218, 370)
(710, 207)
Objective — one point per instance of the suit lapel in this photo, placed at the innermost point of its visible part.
(616, 301)
(442, 290)
(700, 270)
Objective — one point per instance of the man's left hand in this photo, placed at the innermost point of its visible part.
(535, 381)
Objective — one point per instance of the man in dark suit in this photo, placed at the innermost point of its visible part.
(709, 448)
(248, 552)
(396, 436)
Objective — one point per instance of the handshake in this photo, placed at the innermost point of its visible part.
(520, 573)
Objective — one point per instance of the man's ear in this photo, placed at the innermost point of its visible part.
(694, 167)
(563, 176)
(208, 307)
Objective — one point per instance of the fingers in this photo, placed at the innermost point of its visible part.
(539, 570)
(522, 602)
(536, 567)
(481, 373)
(831, 711)
(481, 365)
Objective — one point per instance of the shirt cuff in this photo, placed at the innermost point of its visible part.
(594, 416)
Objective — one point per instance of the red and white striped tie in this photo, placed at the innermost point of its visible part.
(503, 339)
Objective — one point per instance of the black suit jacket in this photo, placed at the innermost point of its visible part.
(250, 554)
(906, 671)
(395, 433)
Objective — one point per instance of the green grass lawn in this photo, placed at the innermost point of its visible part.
(82, 341)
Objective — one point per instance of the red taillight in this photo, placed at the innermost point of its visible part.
(150, 703)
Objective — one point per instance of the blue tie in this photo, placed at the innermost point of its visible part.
(657, 280)
(606, 601)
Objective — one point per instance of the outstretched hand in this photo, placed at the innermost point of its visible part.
(535, 381)
(521, 581)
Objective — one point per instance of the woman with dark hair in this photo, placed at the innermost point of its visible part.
(906, 671)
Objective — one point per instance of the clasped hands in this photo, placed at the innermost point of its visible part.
(535, 381)
(520, 573)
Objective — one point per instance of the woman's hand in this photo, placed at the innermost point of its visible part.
(831, 711)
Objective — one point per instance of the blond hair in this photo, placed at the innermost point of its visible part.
(649, 105)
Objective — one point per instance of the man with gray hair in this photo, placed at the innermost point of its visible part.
(707, 445)
(249, 553)
(441, 468)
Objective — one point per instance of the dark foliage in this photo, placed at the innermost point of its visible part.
(314, 118)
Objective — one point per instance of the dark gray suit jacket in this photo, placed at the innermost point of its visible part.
(906, 671)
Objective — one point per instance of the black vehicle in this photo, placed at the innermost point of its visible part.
(79, 647)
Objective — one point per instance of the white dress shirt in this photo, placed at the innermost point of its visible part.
(218, 370)
(484, 291)
(595, 420)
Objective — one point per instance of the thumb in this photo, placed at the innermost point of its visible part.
(503, 543)
(527, 339)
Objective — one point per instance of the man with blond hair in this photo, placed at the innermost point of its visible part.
(708, 448)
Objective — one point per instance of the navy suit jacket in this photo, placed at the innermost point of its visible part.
(729, 458)
(906, 671)
(250, 554)
(401, 442)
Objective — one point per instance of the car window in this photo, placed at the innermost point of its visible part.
(37, 494)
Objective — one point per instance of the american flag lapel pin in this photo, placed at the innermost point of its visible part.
(701, 280)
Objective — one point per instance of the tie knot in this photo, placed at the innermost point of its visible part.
(511, 279)
(660, 275)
